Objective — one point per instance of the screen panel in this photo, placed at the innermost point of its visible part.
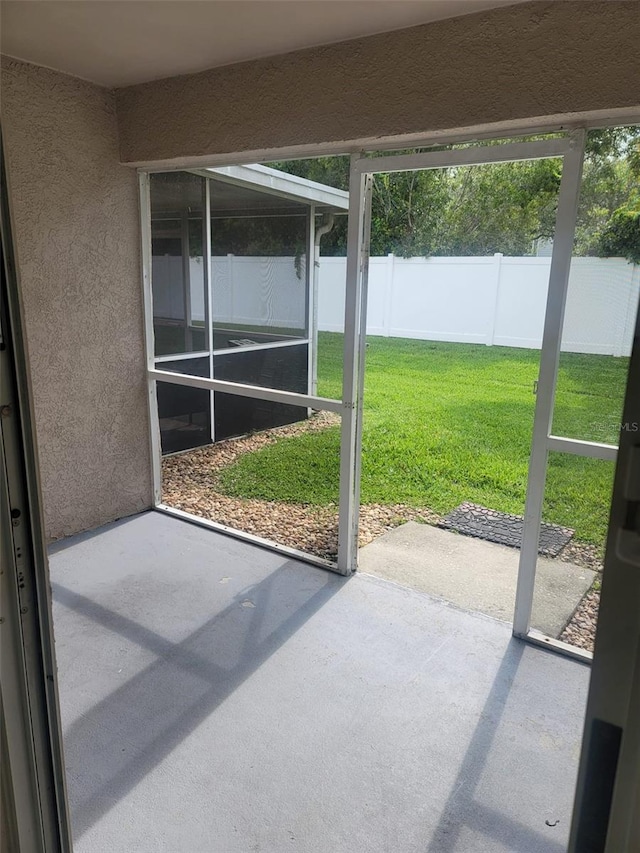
(184, 413)
(575, 516)
(602, 301)
(282, 368)
(280, 484)
(603, 290)
(178, 264)
(259, 246)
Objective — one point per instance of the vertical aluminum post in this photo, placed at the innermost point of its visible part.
(208, 295)
(362, 347)
(312, 304)
(152, 397)
(549, 358)
(354, 330)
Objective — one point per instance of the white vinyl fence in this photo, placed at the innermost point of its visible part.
(488, 300)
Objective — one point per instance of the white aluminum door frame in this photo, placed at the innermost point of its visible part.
(543, 438)
(547, 376)
(362, 170)
(571, 149)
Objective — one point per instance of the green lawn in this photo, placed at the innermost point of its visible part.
(445, 423)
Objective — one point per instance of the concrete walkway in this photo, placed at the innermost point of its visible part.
(473, 574)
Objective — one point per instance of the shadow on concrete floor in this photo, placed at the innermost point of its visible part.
(162, 704)
(219, 697)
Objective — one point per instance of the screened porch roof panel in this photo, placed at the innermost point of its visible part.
(281, 187)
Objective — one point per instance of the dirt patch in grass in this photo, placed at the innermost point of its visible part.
(190, 482)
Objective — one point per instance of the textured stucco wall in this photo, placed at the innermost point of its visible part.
(75, 224)
(511, 64)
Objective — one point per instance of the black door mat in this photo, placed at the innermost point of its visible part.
(503, 528)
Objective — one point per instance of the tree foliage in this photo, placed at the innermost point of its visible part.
(618, 234)
(609, 192)
(621, 237)
(507, 207)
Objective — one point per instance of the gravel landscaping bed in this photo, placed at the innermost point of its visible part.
(190, 483)
(581, 629)
(582, 554)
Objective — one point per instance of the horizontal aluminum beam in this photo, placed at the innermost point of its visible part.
(182, 356)
(543, 641)
(254, 391)
(477, 155)
(592, 449)
(185, 356)
(255, 347)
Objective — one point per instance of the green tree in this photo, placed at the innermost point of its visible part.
(609, 182)
(619, 235)
(334, 172)
(497, 208)
(456, 211)
(479, 210)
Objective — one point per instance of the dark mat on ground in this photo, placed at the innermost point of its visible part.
(503, 528)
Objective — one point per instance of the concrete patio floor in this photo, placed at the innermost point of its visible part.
(221, 698)
(475, 575)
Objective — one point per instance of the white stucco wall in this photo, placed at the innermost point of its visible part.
(75, 224)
